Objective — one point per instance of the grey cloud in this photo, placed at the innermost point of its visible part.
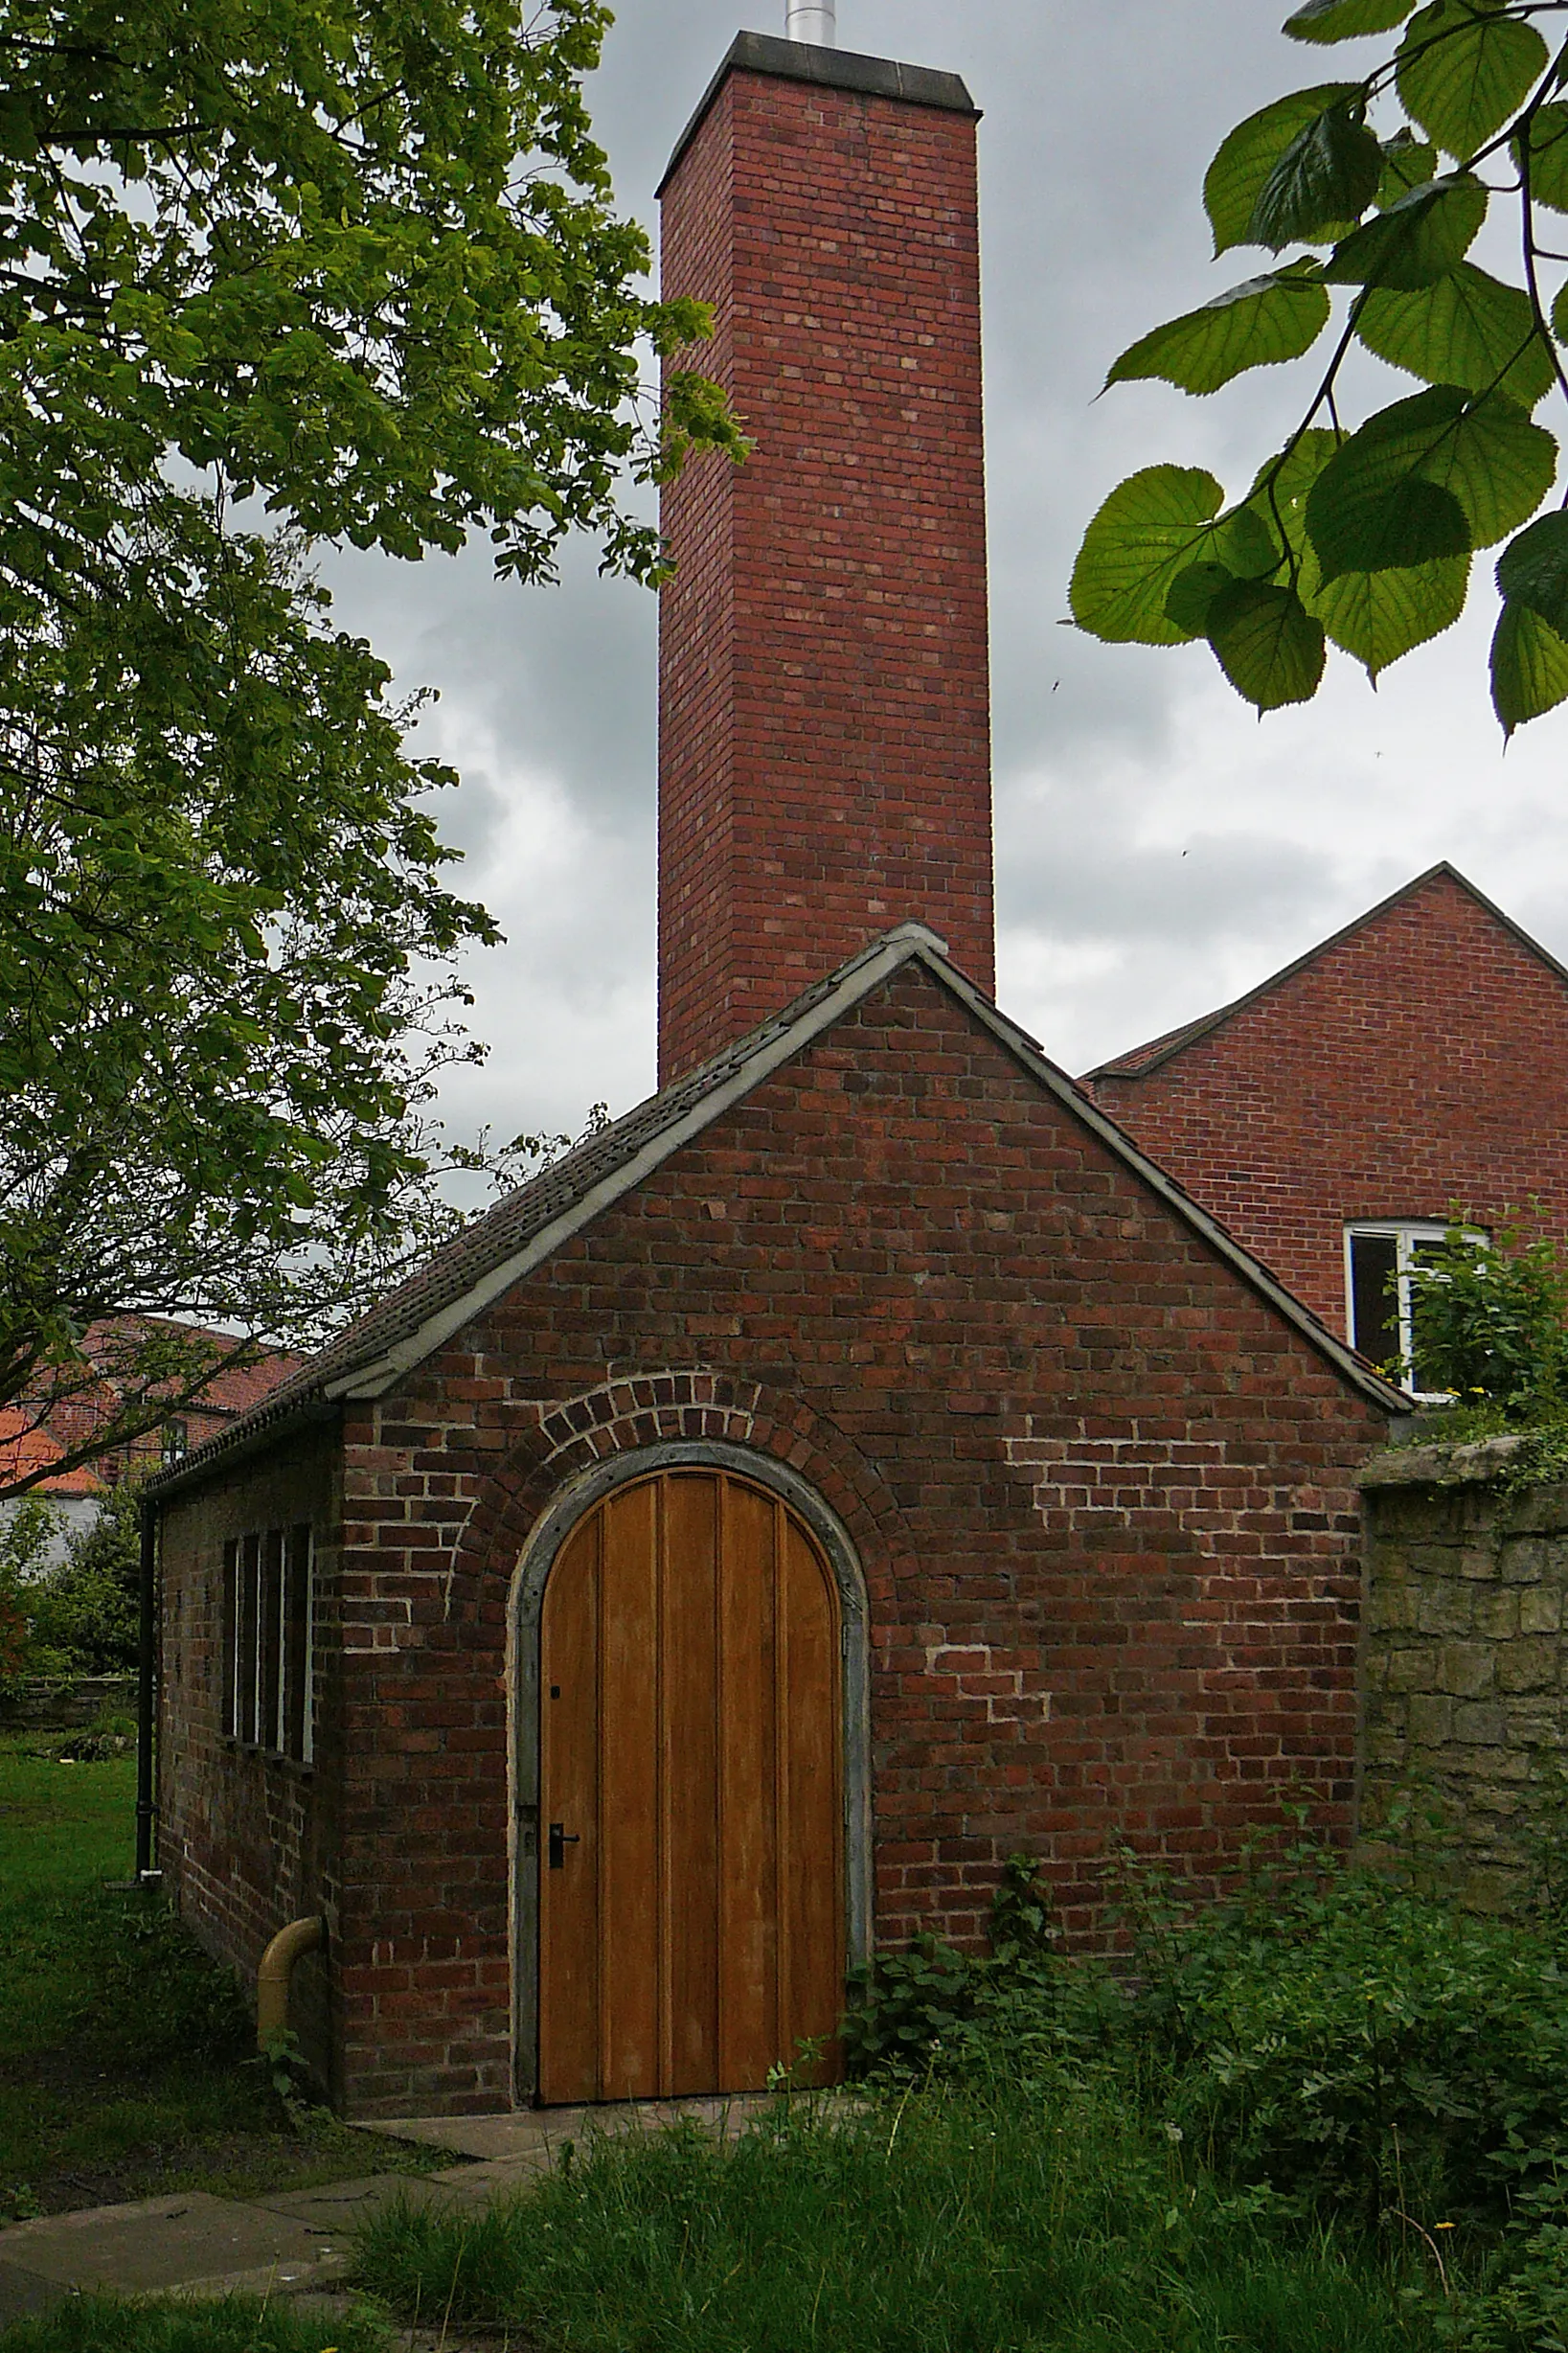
(1111, 761)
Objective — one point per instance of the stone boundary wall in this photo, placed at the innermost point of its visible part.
(65, 1708)
(1465, 1665)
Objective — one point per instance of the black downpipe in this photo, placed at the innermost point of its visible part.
(147, 1809)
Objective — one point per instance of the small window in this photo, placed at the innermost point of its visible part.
(1377, 1261)
(269, 1641)
(176, 1440)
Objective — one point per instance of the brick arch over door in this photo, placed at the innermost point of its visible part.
(551, 1547)
(686, 1406)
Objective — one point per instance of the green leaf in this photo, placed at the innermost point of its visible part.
(1431, 476)
(1470, 328)
(1528, 667)
(1378, 616)
(1153, 527)
(1548, 157)
(1266, 642)
(1407, 163)
(1328, 175)
(1255, 324)
(1464, 67)
(1417, 240)
(1241, 171)
(1346, 20)
(1193, 591)
(1533, 569)
(1386, 522)
(1374, 616)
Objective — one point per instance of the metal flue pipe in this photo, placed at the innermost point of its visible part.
(812, 20)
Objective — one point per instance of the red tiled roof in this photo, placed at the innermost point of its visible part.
(24, 1448)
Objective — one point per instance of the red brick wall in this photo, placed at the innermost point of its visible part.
(823, 703)
(1101, 1495)
(1420, 1061)
(247, 1843)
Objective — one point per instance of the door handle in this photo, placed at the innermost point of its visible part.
(559, 1841)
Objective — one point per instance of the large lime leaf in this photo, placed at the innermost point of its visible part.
(1464, 67)
(1470, 328)
(1279, 493)
(1328, 175)
(1533, 569)
(1266, 642)
(1548, 157)
(1153, 527)
(1346, 20)
(1431, 476)
(1407, 163)
(1528, 667)
(1378, 616)
(1417, 240)
(1239, 173)
(1374, 616)
(1254, 326)
(1193, 591)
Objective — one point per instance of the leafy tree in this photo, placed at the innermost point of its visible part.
(1490, 1323)
(87, 1608)
(1363, 534)
(272, 272)
(29, 1534)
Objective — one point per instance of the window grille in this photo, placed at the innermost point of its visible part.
(269, 1641)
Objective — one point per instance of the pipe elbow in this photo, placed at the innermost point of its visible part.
(275, 1971)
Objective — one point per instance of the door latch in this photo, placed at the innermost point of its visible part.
(559, 1841)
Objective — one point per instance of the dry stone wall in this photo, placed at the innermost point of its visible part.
(1465, 1666)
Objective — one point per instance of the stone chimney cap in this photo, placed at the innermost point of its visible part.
(834, 69)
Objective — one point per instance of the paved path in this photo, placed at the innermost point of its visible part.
(299, 2242)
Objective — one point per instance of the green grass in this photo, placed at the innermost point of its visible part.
(124, 2052)
(940, 2223)
(62, 1827)
(238, 2325)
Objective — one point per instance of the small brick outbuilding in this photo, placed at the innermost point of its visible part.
(855, 1466)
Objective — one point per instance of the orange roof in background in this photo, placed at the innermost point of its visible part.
(24, 1449)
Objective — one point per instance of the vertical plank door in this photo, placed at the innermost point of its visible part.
(691, 1897)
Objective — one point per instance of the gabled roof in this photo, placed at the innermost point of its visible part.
(521, 1232)
(1138, 1062)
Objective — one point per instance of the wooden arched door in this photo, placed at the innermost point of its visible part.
(690, 1799)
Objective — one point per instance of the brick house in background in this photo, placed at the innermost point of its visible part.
(33, 1437)
(856, 1464)
(1335, 1115)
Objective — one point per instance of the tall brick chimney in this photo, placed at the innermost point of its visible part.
(824, 706)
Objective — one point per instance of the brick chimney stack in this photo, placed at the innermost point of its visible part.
(824, 707)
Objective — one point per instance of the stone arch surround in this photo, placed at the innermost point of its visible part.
(580, 1496)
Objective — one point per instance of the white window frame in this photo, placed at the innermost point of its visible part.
(1407, 1233)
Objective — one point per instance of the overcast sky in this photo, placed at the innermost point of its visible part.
(1158, 850)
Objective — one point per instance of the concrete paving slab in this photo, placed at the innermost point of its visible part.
(165, 2243)
(525, 2132)
(24, 2291)
(337, 2206)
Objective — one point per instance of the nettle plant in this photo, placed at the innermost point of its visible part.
(1365, 536)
